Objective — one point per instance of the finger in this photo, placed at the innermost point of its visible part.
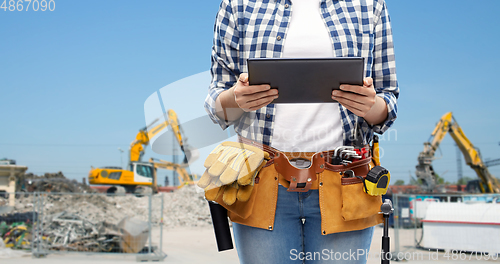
(212, 192)
(248, 101)
(368, 81)
(257, 104)
(244, 192)
(348, 95)
(205, 180)
(356, 108)
(261, 95)
(220, 165)
(361, 90)
(243, 78)
(359, 101)
(350, 106)
(251, 89)
(229, 195)
(359, 106)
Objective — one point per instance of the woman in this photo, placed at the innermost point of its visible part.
(301, 230)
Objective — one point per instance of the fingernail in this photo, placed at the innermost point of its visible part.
(335, 93)
(275, 97)
(341, 87)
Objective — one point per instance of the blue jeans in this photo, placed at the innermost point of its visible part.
(297, 238)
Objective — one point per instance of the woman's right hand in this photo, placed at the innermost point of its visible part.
(252, 97)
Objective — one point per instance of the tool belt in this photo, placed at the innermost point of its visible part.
(344, 204)
(303, 179)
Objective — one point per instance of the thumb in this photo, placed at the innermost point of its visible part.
(243, 77)
(368, 81)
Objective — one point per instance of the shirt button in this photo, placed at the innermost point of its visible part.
(287, 6)
(268, 116)
(278, 38)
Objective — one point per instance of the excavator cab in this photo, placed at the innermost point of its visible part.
(143, 172)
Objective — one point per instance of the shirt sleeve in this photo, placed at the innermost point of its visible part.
(225, 50)
(384, 68)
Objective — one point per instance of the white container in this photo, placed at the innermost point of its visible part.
(473, 227)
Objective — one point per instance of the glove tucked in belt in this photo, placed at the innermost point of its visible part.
(230, 171)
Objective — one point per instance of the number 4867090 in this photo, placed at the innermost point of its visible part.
(28, 5)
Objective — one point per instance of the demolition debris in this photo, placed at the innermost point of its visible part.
(92, 222)
(50, 182)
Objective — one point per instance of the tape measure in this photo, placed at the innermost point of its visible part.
(377, 180)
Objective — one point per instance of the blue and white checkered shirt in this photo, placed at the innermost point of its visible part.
(257, 29)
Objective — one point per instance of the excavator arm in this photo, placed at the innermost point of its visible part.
(171, 120)
(183, 175)
(144, 135)
(425, 172)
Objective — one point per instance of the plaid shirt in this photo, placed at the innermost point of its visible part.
(257, 29)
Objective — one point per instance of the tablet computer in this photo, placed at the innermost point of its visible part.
(305, 80)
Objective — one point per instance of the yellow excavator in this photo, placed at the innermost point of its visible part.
(447, 124)
(140, 177)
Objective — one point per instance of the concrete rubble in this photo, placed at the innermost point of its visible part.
(95, 222)
(50, 182)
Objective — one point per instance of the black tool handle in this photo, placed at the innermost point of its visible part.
(386, 209)
(386, 242)
(385, 254)
(221, 226)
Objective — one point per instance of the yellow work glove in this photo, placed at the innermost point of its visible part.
(230, 171)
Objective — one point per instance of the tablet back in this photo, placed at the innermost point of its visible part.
(306, 80)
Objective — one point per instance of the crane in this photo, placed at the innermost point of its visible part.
(448, 124)
(141, 174)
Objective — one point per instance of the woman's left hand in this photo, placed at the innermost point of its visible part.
(362, 101)
(358, 99)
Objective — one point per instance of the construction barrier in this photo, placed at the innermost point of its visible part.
(445, 227)
(43, 223)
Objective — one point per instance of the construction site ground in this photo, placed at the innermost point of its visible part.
(197, 245)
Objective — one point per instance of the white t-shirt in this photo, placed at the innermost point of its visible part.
(315, 126)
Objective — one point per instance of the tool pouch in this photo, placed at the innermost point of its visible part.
(356, 203)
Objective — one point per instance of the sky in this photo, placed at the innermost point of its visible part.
(74, 81)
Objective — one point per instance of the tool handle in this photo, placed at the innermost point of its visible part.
(385, 250)
(221, 226)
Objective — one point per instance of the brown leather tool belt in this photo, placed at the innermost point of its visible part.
(301, 180)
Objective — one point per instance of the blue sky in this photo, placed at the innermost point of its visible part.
(74, 81)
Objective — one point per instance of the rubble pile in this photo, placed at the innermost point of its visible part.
(185, 207)
(93, 222)
(51, 182)
(71, 232)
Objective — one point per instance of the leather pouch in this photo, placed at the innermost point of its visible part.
(356, 203)
(259, 210)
